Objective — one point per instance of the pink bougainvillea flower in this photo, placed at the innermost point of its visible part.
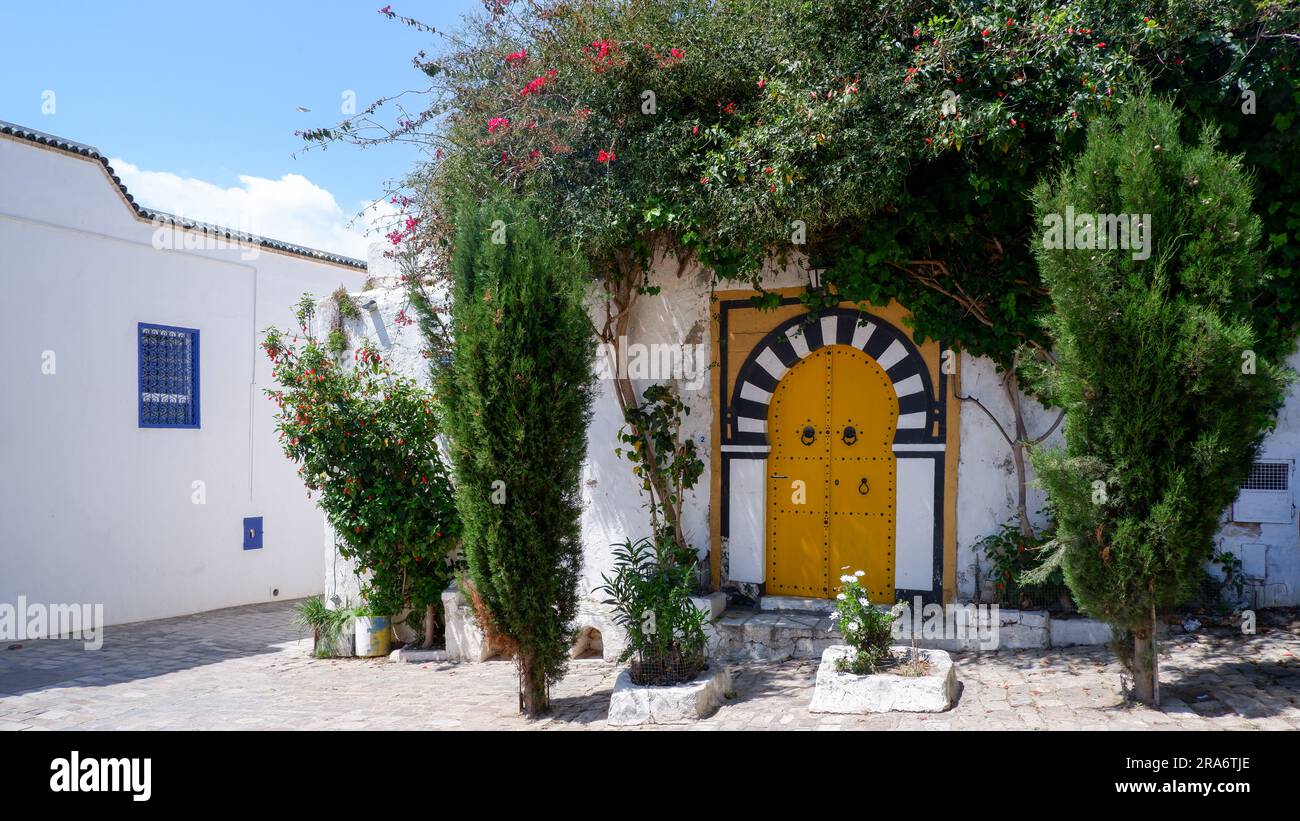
(761, 82)
(498, 122)
(604, 157)
(676, 53)
(600, 49)
(518, 56)
(534, 86)
(695, 129)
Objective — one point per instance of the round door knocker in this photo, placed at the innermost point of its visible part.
(809, 435)
(863, 487)
(850, 435)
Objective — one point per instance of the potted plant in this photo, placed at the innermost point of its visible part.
(668, 680)
(867, 674)
(373, 633)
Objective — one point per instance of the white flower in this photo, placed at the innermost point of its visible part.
(840, 597)
(847, 579)
(859, 573)
(852, 626)
(864, 601)
(835, 614)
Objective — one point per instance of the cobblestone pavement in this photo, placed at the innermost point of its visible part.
(248, 668)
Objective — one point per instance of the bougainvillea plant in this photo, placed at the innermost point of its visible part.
(365, 440)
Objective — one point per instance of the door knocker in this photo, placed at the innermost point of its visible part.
(863, 487)
(809, 435)
(850, 435)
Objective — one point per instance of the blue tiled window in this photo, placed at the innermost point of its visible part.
(169, 376)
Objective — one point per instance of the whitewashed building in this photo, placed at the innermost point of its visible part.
(140, 464)
(950, 480)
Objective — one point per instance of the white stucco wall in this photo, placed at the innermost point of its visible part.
(96, 509)
(1270, 551)
(986, 477)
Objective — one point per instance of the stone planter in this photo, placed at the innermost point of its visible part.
(633, 704)
(341, 645)
(838, 692)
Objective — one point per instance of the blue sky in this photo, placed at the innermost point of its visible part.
(199, 100)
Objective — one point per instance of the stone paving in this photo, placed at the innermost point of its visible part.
(249, 668)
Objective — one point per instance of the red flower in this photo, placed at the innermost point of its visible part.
(387, 10)
(533, 86)
(695, 129)
(517, 57)
(761, 82)
(984, 33)
(605, 157)
(498, 122)
(676, 53)
(1101, 45)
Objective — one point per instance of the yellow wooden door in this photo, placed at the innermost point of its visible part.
(799, 478)
(831, 478)
(864, 415)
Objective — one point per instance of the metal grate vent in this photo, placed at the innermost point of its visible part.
(169, 377)
(1269, 476)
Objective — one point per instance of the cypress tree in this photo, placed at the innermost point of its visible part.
(1166, 402)
(517, 398)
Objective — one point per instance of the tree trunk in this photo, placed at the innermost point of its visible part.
(430, 622)
(1146, 667)
(1012, 385)
(533, 698)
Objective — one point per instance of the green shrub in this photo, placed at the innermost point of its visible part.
(1013, 555)
(365, 440)
(518, 396)
(650, 592)
(1166, 397)
(867, 629)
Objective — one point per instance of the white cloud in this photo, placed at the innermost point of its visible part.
(291, 209)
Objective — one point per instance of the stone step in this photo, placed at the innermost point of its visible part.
(796, 603)
(776, 635)
(771, 635)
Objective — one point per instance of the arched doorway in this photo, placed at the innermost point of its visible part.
(831, 484)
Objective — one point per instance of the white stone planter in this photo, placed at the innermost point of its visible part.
(838, 692)
(632, 704)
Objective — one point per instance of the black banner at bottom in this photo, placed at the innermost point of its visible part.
(139, 771)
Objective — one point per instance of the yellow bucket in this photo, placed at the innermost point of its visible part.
(374, 635)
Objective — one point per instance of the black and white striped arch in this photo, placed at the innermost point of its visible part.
(790, 342)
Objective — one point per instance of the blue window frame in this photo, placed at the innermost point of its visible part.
(169, 376)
